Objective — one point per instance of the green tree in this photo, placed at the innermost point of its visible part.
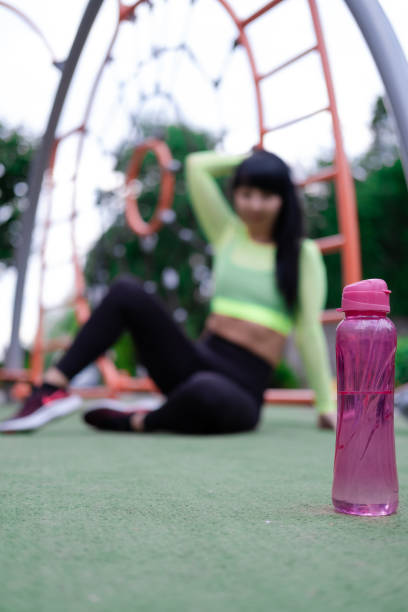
(15, 156)
(382, 211)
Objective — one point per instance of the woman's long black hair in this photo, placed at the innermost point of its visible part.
(269, 173)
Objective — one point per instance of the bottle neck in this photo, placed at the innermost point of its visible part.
(366, 314)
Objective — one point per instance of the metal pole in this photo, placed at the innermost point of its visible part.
(36, 173)
(391, 63)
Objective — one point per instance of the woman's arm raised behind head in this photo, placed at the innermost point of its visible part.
(211, 208)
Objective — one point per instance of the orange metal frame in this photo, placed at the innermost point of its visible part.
(347, 242)
(133, 217)
(32, 26)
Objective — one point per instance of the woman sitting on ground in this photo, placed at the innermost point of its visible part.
(269, 281)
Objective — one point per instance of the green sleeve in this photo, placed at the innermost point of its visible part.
(211, 208)
(309, 335)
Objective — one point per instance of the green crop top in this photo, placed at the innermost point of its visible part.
(245, 287)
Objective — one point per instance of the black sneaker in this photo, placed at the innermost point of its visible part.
(111, 415)
(45, 404)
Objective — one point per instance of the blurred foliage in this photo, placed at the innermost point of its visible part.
(382, 211)
(401, 361)
(15, 156)
(283, 377)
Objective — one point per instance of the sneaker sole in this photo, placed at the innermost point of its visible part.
(111, 404)
(45, 414)
(146, 405)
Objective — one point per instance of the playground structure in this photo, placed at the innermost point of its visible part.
(382, 42)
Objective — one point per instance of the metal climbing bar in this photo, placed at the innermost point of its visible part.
(331, 244)
(55, 344)
(280, 126)
(331, 316)
(289, 396)
(346, 198)
(260, 12)
(292, 60)
(328, 174)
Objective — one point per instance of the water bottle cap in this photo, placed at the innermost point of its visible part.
(371, 294)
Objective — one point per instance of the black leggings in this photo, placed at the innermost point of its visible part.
(212, 385)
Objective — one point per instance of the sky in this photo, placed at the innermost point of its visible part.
(204, 25)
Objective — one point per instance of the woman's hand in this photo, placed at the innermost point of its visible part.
(327, 420)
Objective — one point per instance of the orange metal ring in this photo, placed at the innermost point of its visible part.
(165, 160)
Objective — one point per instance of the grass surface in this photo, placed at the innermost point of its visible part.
(93, 521)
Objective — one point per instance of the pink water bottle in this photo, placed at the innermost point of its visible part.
(365, 474)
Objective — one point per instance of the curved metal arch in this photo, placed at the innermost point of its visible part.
(37, 170)
(391, 63)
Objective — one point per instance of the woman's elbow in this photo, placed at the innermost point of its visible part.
(195, 159)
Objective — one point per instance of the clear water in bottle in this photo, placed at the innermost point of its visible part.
(365, 475)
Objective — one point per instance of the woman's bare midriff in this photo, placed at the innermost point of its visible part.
(263, 341)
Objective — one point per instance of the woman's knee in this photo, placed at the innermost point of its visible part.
(227, 407)
(124, 283)
(125, 289)
(208, 388)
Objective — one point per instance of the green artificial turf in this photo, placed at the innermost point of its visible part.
(106, 522)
